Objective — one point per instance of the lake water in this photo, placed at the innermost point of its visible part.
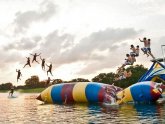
(26, 109)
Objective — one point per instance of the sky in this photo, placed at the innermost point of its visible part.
(81, 38)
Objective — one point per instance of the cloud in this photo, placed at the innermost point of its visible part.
(112, 59)
(98, 51)
(23, 44)
(54, 44)
(8, 58)
(24, 19)
(102, 40)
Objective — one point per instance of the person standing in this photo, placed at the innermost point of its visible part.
(11, 91)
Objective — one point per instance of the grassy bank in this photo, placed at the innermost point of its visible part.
(3, 91)
(35, 90)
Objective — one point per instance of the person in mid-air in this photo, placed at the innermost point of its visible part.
(42, 63)
(133, 50)
(48, 81)
(149, 49)
(19, 74)
(11, 91)
(125, 74)
(35, 57)
(133, 59)
(120, 70)
(49, 69)
(128, 61)
(144, 49)
(137, 51)
(28, 62)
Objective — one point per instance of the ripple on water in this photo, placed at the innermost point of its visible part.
(26, 109)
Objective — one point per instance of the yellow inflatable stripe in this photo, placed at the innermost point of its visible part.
(79, 92)
(46, 95)
(128, 95)
(125, 96)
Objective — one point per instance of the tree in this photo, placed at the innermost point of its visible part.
(32, 82)
(137, 72)
(57, 81)
(77, 80)
(104, 78)
(5, 86)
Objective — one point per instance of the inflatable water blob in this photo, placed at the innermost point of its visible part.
(91, 92)
(146, 91)
(94, 92)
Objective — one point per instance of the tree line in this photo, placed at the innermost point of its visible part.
(108, 78)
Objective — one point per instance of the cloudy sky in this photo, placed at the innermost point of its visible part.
(81, 38)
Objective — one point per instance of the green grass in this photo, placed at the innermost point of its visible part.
(35, 90)
(3, 91)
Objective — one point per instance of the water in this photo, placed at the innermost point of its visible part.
(27, 110)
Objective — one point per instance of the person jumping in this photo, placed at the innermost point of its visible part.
(50, 69)
(35, 57)
(43, 63)
(19, 74)
(48, 82)
(144, 49)
(28, 62)
(149, 49)
(137, 51)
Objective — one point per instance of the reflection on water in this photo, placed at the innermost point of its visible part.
(26, 109)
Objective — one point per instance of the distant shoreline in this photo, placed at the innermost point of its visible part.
(34, 90)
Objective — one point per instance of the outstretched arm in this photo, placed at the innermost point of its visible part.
(39, 54)
(140, 40)
(40, 58)
(31, 54)
(16, 70)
